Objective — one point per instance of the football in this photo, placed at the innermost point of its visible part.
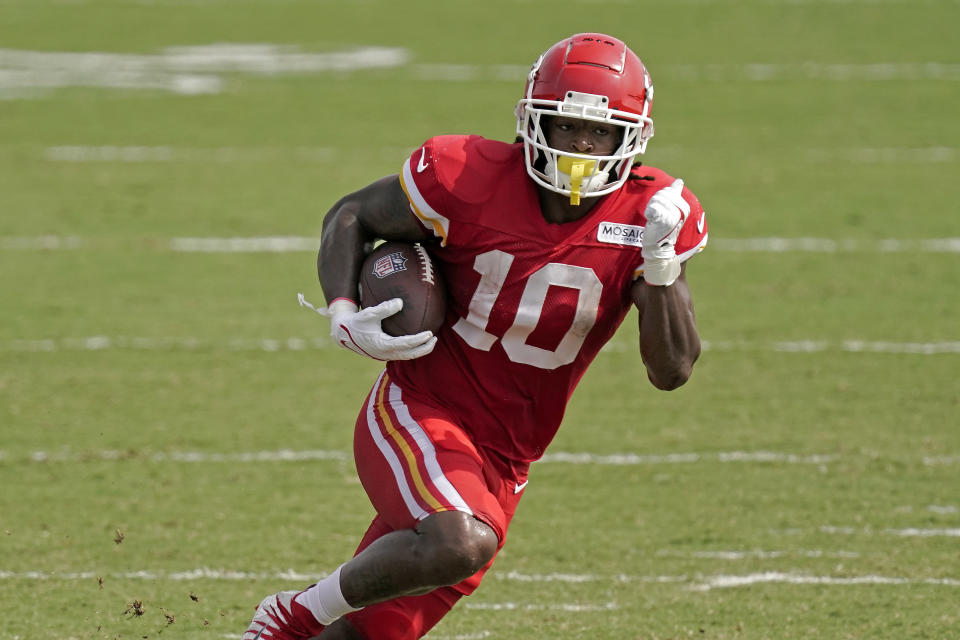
(406, 271)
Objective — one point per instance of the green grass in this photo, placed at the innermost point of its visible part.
(821, 476)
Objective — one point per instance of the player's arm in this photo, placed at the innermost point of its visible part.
(378, 211)
(669, 341)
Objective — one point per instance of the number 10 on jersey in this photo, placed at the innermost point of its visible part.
(494, 267)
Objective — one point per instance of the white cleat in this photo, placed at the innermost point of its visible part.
(271, 617)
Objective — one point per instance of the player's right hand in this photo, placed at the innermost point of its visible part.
(361, 332)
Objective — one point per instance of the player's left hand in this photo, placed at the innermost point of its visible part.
(665, 213)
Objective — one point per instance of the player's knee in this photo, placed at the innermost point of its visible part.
(458, 545)
(463, 558)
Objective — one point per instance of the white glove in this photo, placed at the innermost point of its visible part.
(359, 330)
(666, 212)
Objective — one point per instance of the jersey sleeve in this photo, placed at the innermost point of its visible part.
(428, 196)
(693, 236)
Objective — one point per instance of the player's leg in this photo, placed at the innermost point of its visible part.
(441, 519)
(444, 549)
(404, 618)
(425, 479)
(412, 458)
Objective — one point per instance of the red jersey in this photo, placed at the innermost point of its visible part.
(530, 303)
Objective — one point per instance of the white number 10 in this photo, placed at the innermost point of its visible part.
(493, 267)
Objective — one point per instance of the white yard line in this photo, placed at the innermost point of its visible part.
(775, 577)
(936, 461)
(202, 457)
(102, 343)
(696, 582)
(138, 154)
(287, 455)
(523, 3)
(309, 244)
(41, 243)
(66, 455)
(683, 458)
(722, 72)
(924, 533)
(204, 69)
(274, 244)
(83, 154)
(943, 509)
(271, 345)
(758, 554)
(189, 70)
(909, 532)
(529, 606)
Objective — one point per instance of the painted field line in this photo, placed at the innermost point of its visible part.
(733, 72)
(203, 457)
(132, 154)
(833, 245)
(776, 577)
(683, 458)
(185, 70)
(140, 154)
(203, 573)
(204, 69)
(909, 532)
(943, 509)
(476, 635)
(277, 244)
(555, 606)
(702, 582)
(309, 244)
(696, 582)
(103, 343)
(923, 533)
(757, 554)
(41, 243)
(287, 455)
(695, 3)
(864, 346)
(272, 345)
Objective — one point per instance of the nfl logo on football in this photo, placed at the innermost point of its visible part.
(389, 264)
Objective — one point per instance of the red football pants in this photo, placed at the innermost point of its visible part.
(414, 460)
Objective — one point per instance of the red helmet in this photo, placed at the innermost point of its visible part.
(595, 77)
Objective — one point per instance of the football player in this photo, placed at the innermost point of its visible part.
(544, 245)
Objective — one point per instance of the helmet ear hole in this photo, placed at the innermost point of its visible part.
(646, 133)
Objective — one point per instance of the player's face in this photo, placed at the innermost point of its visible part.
(574, 135)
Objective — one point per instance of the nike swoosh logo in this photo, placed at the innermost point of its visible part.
(703, 217)
(422, 165)
(520, 485)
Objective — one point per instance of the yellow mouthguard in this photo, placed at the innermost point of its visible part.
(575, 168)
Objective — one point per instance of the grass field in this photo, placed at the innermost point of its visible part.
(175, 432)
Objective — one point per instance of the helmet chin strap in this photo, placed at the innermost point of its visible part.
(576, 175)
